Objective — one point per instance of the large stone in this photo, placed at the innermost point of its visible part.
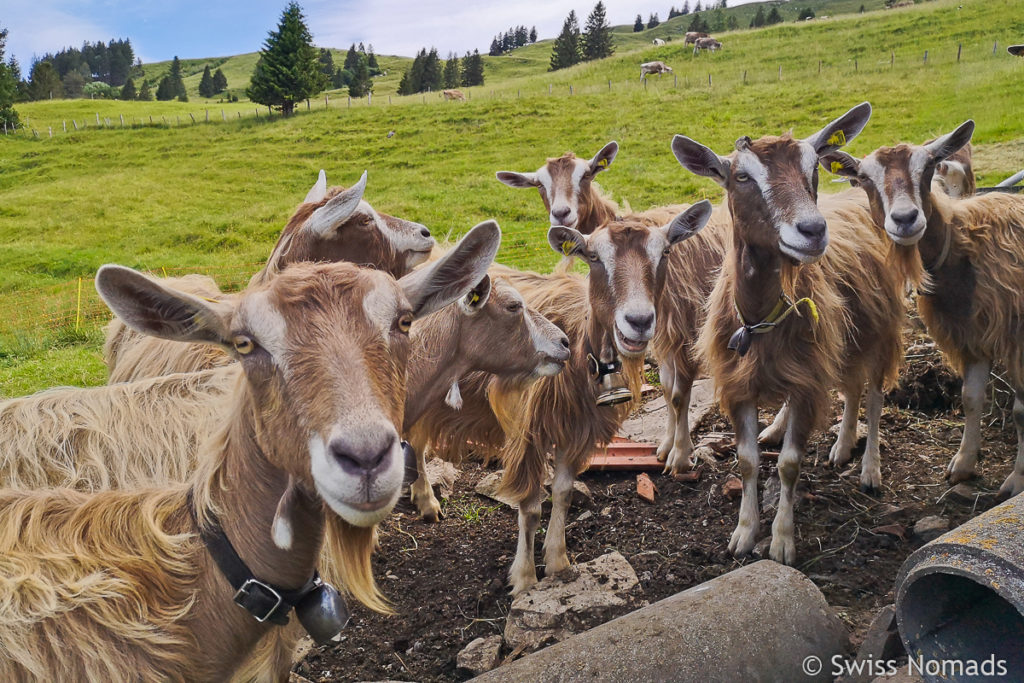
(930, 528)
(482, 654)
(442, 475)
(584, 596)
(881, 642)
(488, 486)
(648, 424)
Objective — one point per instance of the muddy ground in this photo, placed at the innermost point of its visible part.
(446, 581)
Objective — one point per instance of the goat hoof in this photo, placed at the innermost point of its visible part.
(957, 476)
(783, 551)
(870, 489)
(742, 543)
(1013, 485)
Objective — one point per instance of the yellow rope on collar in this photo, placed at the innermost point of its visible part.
(778, 314)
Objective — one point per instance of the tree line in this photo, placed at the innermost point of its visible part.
(572, 46)
(429, 74)
(511, 39)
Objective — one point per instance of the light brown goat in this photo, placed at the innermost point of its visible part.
(461, 340)
(848, 333)
(330, 225)
(119, 586)
(965, 259)
(693, 266)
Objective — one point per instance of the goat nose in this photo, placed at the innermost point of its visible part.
(812, 228)
(641, 322)
(564, 341)
(425, 231)
(359, 456)
(561, 212)
(905, 216)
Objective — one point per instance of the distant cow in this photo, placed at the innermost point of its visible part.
(453, 95)
(692, 36)
(654, 68)
(658, 41)
(706, 44)
(1016, 50)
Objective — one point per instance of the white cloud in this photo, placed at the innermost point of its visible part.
(35, 29)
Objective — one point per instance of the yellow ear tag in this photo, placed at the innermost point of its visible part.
(475, 297)
(567, 247)
(836, 167)
(603, 163)
(838, 138)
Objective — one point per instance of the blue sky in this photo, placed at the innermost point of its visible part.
(160, 30)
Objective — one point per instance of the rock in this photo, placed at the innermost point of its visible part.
(770, 497)
(722, 444)
(581, 495)
(587, 514)
(488, 486)
(296, 678)
(482, 654)
(606, 511)
(302, 649)
(732, 488)
(702, 402)
(761, 548)
(442, 475)
(557, 607)
(964, 494)
(705, 454)
(648, 424)
(689, 477)
(645, 487)
(882, 640)
(930, 528)
(897, 530)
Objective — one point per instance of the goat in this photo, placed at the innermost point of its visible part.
(777, 251)
(459, 340)
(572, 200)
(118, 585)
(955, 175)
(964, 257)
(655, 67)
(453, 95)
(330, 225)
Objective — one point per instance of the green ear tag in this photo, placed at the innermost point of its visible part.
(836, 167)
(567, 247)
(838, 138)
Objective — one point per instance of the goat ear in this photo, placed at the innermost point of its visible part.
(689, 222)
(840, 163)
(438, 284)
(567, 241)
(699, 159)
(513, 179)
(318, 191)
(477, 297)
(604, 158)
(948, 145)
(337, 210)
(842, 130)
(152, 308)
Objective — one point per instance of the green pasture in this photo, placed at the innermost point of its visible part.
(213, 197)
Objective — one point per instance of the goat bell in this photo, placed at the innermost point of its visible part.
(740, 341)
(613, 390)
(323, 613)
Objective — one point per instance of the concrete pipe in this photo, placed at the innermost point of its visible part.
(960, 599)
(762, 622)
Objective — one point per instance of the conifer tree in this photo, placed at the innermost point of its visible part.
(686, 7)
(472, 69)
(638, 25)
(145, 95)
(566, 51)
(758, 19)
(326, 60)
(371, 63)
(597, 37)
(206, 83)
(773, 17)
(164, 90)
(128, 90)
(44, 83)
(8, 85)
(432, 77)
(220, 81)
(351, 58)
(451, 71)
(287, 71)
(361, 84)
(177, 81)
(653, 21)
(533, 34)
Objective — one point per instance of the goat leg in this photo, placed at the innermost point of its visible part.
(964, 464)
(744, 420)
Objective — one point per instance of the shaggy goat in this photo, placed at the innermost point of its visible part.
(965, 258)
(776, 264)
(460, 340)
(693, 266)
(119, 586)
(330, 225)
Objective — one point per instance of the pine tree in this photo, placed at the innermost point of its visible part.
(732, 23)
(74, 82)
(206, 83)
(287, 71)
(472, 69)
(638, 25)
(351, 58)
(8, 85)
(697, 24)
(220, 81)
(432, 77)
(164, 90)
(128, 90)
(371, 63)
(326, 60)
(566, 51)
(145, 95)
(773, 17)
(597, 37)
(451, 71)
(361, 84)
(533, 34)
(758, 20)
(686, 7)
(340, 78)
(44, 83)
(653, 21)
(177, 81)
(697, 7)
(495, 49)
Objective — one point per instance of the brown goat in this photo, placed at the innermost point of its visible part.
(777, 252)
(461, 339)
(692, 266)
(330, 225)
(955, 175)
(965, 259)
(118, 586)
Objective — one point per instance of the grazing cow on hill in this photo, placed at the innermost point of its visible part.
(654, 68)
(708, 43)
(693, 36)
(454, 95)
(658, 41)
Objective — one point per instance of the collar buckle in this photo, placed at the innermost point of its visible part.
(259, 599)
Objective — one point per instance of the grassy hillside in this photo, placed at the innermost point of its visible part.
(215, 196)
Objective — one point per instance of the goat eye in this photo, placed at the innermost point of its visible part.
(243, 344)
(405, 323)
(666, 251)
(514, 308)
(593, 258)
(742, 177)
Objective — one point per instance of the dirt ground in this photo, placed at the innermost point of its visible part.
(446, 581)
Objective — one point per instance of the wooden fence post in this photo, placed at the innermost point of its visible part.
(192, 117)
(122, 120)
(709, 80)
(959, 49)
(307, 104)
(325, 101)
(780, 72)
(74, 123)
(994, 46)
(675, 80)
(349, 101)
(389, 99)
(926, 56)
(549, 88)
(369, 98)
(50, 128)
(855, 65)
(819, 67)
(177, 118)
(892, 58)
(65, 125)
(570, 89)
(223, 116)
(97, 118)
(744, 75)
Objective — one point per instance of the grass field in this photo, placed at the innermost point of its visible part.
(214, 196)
